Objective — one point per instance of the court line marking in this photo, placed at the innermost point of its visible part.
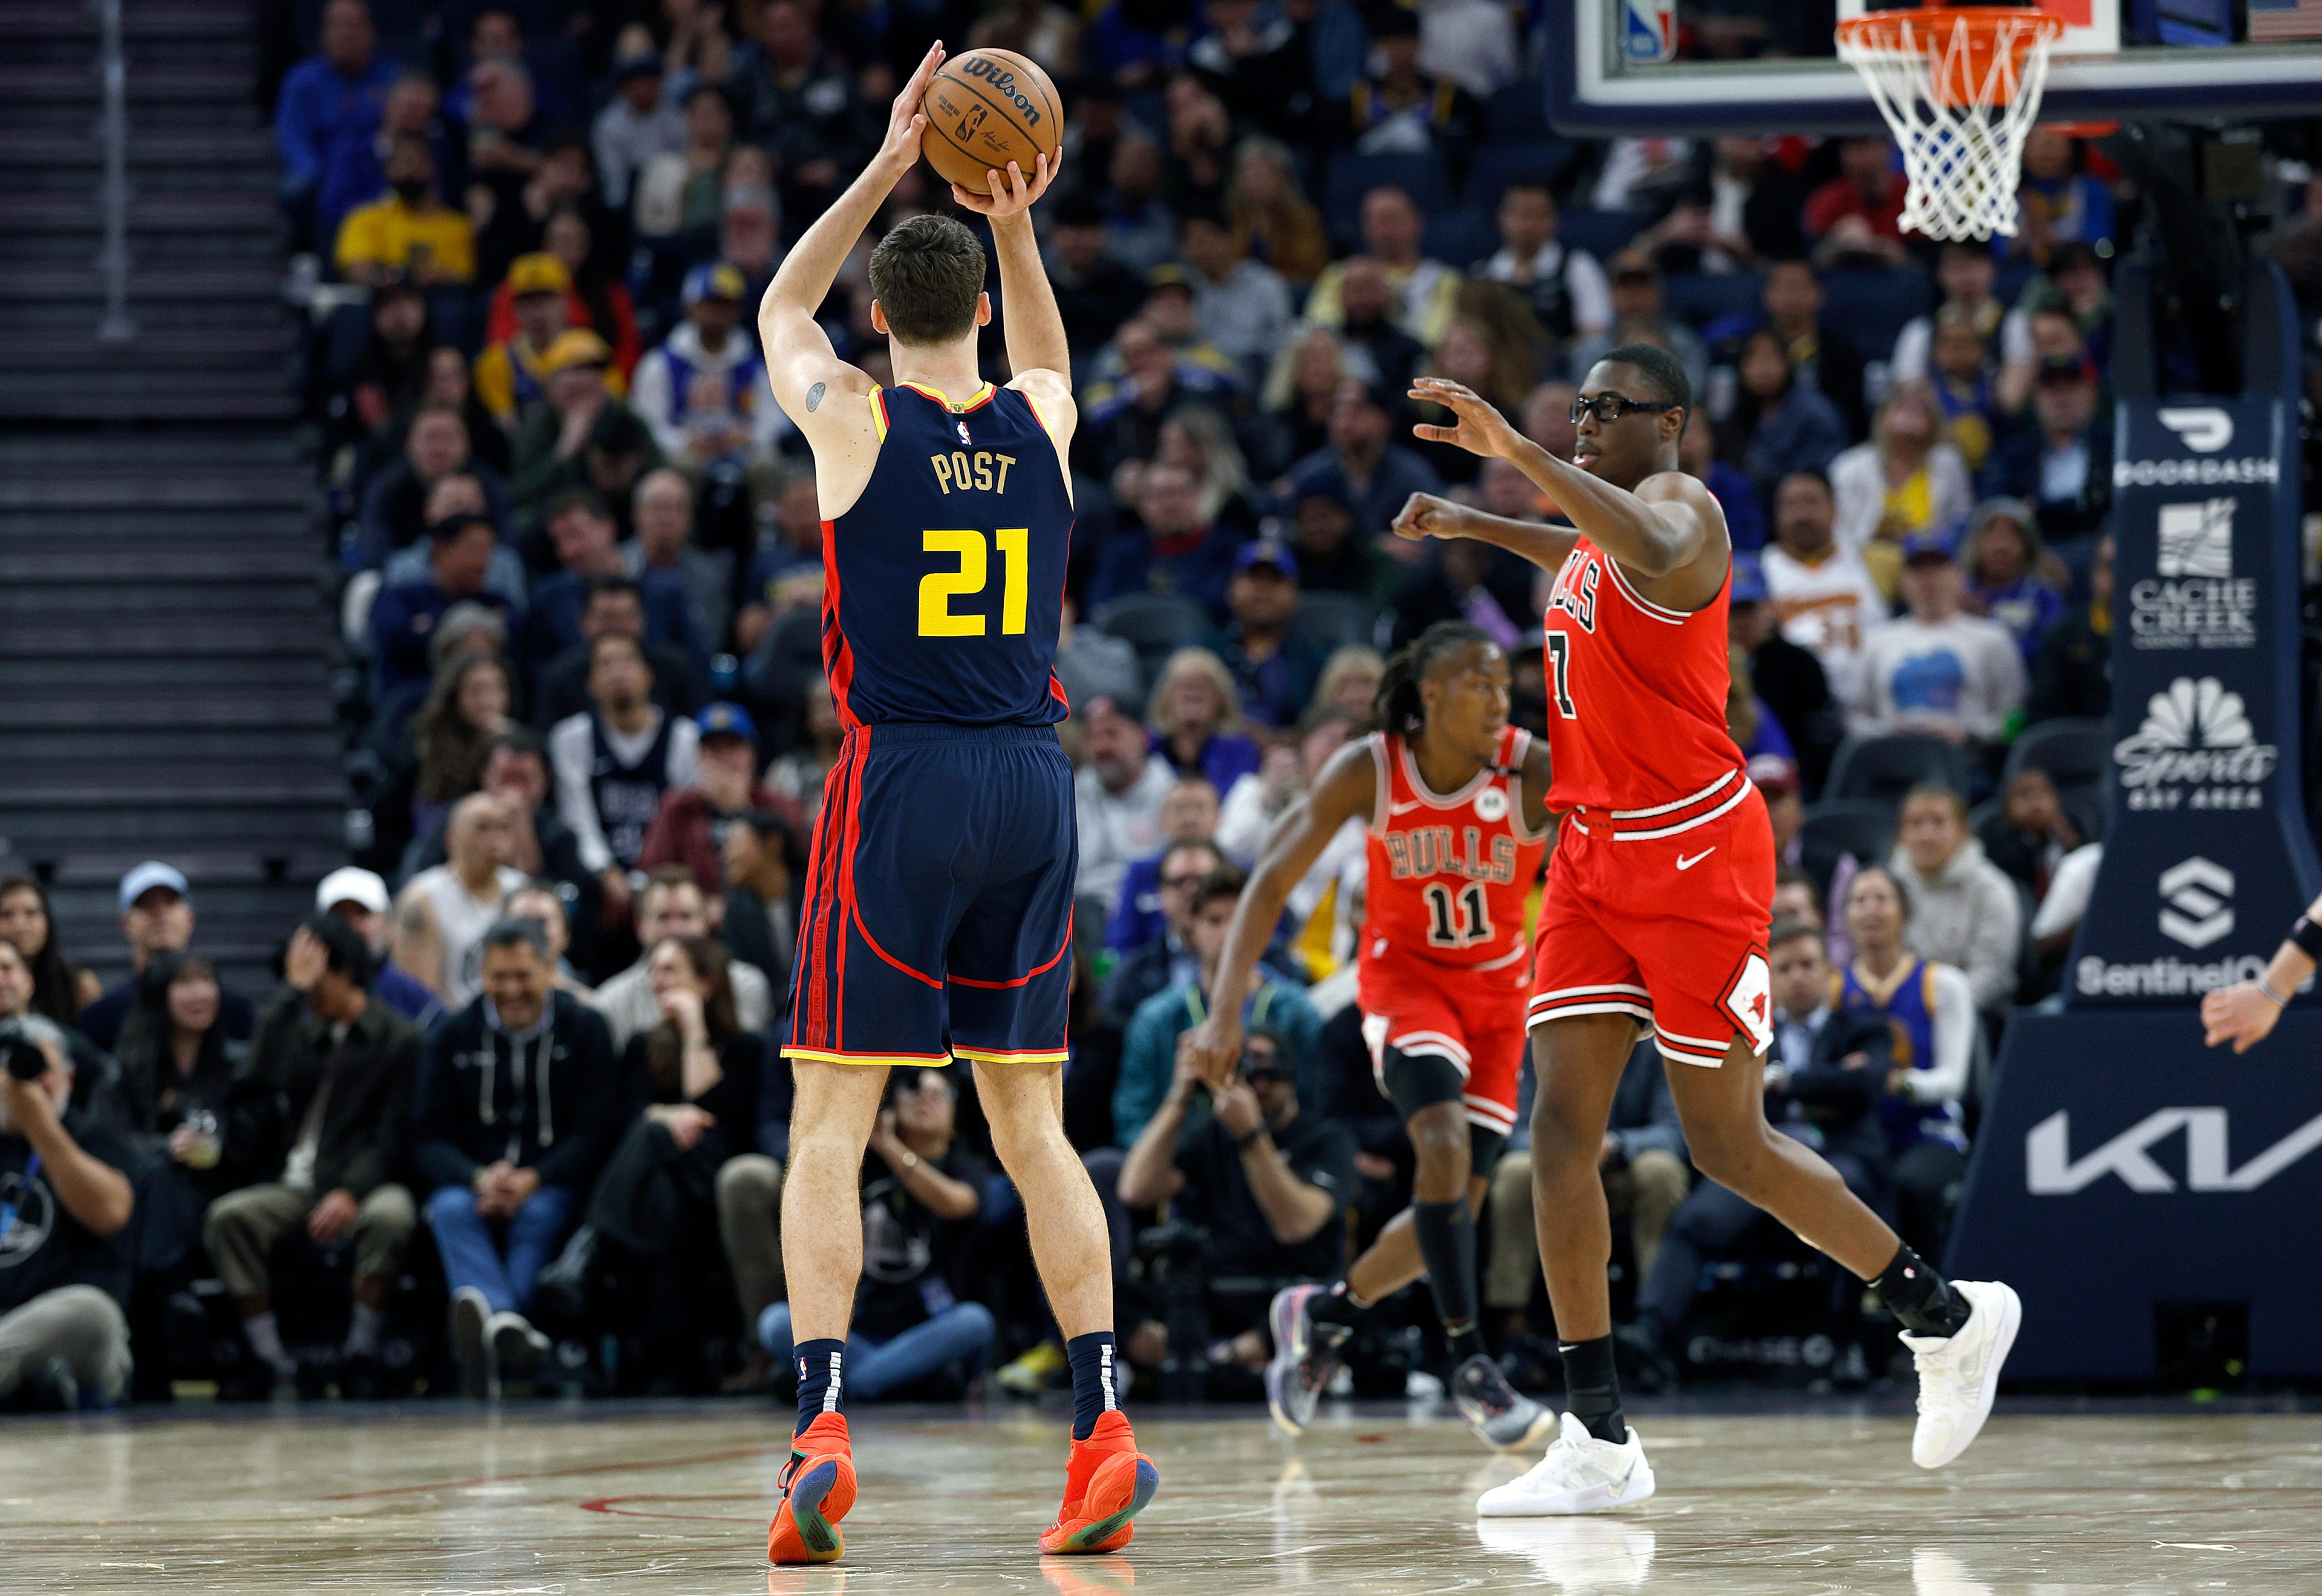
(727, 1454)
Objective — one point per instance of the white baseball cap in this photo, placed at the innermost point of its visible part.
(352, 884)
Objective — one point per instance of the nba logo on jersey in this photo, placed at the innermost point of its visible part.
(1650, 31)
(962, 433)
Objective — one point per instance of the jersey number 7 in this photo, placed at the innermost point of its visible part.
(1559, 667)
(937, 588)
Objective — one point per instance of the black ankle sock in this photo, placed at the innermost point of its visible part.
(1592, 1391)
(821, 1379)
(1919, 1296)
(1447, 1241)
(1339, 1306)
(1094, 1389)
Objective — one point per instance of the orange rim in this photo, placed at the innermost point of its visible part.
(1940, 32)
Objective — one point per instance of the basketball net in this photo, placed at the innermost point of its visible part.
(1961, 86)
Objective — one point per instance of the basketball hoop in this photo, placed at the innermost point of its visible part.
(1960, 86)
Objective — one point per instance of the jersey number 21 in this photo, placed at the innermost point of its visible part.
(937, 588)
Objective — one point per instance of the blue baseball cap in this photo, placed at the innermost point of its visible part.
(1930, 545)
(716, 279)
(1749, 580)
(149, 875)
(1266, 552)
(727, 720)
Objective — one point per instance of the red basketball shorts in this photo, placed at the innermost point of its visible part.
(1475, 1019)
(1670, 930)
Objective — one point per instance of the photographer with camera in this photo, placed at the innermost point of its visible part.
(1269, 1180)
(64, 1202)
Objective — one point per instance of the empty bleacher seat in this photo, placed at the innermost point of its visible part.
(1871, 307)
(1837, 827)
(1352, 176)
(1603, 234)
(1156, 625)
(1332, 620)
(1491, 169)
(1459, 237)
(1886, 768)
(2077, 755)
(1706, 297)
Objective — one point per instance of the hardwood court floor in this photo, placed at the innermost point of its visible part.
(442, 1500)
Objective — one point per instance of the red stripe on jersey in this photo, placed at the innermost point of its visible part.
(838, 657)
(1024, 978)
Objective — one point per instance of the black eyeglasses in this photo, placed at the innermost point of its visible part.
(1181, 883)
(1609, 408)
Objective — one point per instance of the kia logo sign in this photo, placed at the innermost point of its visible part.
(2197, 904)
(2205, 428)
(2051, 1170)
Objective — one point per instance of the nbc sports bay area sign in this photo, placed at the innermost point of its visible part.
(2196, 750)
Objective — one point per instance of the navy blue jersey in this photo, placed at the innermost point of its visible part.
(944, 584)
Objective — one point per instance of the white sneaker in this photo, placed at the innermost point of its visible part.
(1580, 1474)
(1959, 1374)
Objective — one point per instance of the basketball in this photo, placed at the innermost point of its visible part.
(985, 108)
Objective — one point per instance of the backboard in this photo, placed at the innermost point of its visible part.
(1643, 66)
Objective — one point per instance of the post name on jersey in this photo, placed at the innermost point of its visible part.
(957, 470)
(1575, 593)
(1427, 851)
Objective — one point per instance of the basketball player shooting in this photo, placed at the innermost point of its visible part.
(939, 899)
(1656, 913)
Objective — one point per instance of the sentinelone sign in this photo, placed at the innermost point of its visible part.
(2120, 1167)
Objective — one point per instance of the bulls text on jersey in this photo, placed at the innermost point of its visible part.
(1429, 850)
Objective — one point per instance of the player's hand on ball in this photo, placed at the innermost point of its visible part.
(905, 120)
(1010, 196)
(2239, 1014)
(1478, 427)
(1425, 516)
(1212, 1049)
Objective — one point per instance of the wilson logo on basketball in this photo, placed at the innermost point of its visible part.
(1002, 82)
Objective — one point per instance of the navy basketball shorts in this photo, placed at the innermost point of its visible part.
(939, 912)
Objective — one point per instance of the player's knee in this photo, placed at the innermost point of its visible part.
(1438, 1137)
(1735, 1157)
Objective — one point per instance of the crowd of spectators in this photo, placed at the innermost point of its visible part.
(519, 1055)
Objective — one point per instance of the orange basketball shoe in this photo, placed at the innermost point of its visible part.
(1107, 1483)
(818, 1486)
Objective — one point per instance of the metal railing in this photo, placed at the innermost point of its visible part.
(113, 195)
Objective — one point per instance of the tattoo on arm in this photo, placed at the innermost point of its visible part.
(814, 395)
(414, 920)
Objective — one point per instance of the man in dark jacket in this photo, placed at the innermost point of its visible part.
(330, 1075)
(517, 1110)
(1824, 1075)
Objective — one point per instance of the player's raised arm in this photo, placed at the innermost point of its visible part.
(1427, 514)
(806, 372)
(1038, 355)
(1347, 789)
(1664, 527)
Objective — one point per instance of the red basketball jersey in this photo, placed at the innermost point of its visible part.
(1636, 711)
(1448, 874)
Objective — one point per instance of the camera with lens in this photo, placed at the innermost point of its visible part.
(21, 1056)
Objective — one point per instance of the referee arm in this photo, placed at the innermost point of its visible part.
(2244, 1013)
